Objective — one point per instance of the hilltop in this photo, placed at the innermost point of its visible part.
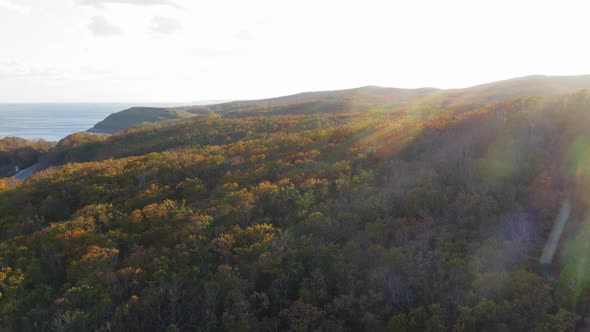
(137, 116)
(363, 99)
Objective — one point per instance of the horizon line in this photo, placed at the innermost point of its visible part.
(224, 100)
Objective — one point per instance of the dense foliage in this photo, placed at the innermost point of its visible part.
(345, 221)
(364, 99)
(21, 153)
(136, 117)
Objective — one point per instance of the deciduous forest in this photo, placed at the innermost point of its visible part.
(358, 210)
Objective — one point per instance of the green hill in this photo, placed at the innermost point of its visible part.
(137, 116)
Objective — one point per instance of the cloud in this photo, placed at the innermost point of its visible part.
(93, 72)
(103, 28)
(100, 3)
(243, 35)
(212, 52)
(9, 5)
(164, 25)
(15, 70)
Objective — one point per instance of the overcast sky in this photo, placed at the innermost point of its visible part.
(187, 50)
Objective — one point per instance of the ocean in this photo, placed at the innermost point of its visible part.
(54, 121)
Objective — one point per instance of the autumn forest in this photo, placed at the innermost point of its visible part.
(369, 209)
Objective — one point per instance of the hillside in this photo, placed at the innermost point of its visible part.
(364, 215)
(365, 99)
(380, 98)
(135, 117)
(18, 153)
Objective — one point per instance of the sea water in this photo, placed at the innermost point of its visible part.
(54, 121)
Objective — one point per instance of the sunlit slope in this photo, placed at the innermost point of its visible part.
(366, 220)
(372, 98)
(536, 85)
(329, 102)
(217, 130)
(365, 99)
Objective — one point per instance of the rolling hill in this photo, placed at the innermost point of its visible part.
(367, 209)
(137, 116)
(370, 98)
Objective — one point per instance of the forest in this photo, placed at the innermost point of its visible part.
(21, 153)
(351, 211)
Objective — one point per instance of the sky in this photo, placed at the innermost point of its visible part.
(190, 50)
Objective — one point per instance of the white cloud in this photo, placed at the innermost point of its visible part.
(164, 25)
(243, 35)
(259, 48)
(101, 27)
(13, 70)
(9, 5)
(214, 52)
(100, 3)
